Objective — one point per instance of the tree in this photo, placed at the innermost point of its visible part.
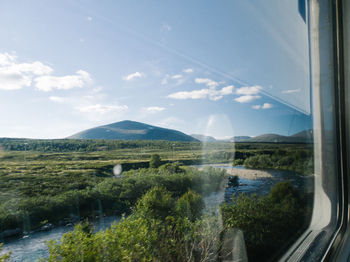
(190, 205)
(155, 161)
(172, 168)
(157, 203)
(238, 162)
(258, 161)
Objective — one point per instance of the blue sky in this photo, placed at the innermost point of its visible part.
(217, 68)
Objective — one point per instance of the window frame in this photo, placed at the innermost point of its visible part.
(328, 240)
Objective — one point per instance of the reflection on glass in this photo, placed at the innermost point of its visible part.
(215, 160)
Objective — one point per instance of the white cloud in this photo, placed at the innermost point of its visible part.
(153, 109)
(102, 109)
(48, 83)
(188, 70)
(176, 77)
(248, 90)
(264, 106)
(246, 98)
(291, 91)
(133, 76)
(209, 93)
(207, 81)
(6, 59)
(35, 68)
(167, 78)
(196, 94)
(8, 63)
(14, 76)
(89, 18)
(57, 99)
(227, 90)
(248, 94)
(267, 106)
(13, 81)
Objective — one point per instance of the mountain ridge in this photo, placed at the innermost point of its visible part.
(305, 136)
(132, 130)
(204, 138)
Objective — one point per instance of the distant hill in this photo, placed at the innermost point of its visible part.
(305, 136)
(235, 139)
(204, 138)
(268, 138)
(131, 130)
(240, 138)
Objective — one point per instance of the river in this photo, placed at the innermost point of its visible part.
(33, 246)
(262, 186)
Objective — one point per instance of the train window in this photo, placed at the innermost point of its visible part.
(171, 130)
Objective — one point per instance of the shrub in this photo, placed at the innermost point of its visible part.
(155, 161)
(267, 222)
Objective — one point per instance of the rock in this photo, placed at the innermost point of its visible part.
(11, 233)
(46, 227)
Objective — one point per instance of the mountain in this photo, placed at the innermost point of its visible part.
(235, 139)
(305, 136)
(308, 134)
(240, 138)
(131, 130)
(204, 138)
(272, 138)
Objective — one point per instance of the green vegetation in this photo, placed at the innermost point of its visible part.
(101, 145)
(136, 154)
(36, 186)
(60, 181)
(63, 181)
(163, 227)
(155, 161)
(83, 195)
(238, 162)
(293, 157)
(5, 257)
(269, 223)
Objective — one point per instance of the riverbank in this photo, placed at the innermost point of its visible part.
(249, 173)
(242, 172)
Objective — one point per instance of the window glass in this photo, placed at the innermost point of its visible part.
(154, 130)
